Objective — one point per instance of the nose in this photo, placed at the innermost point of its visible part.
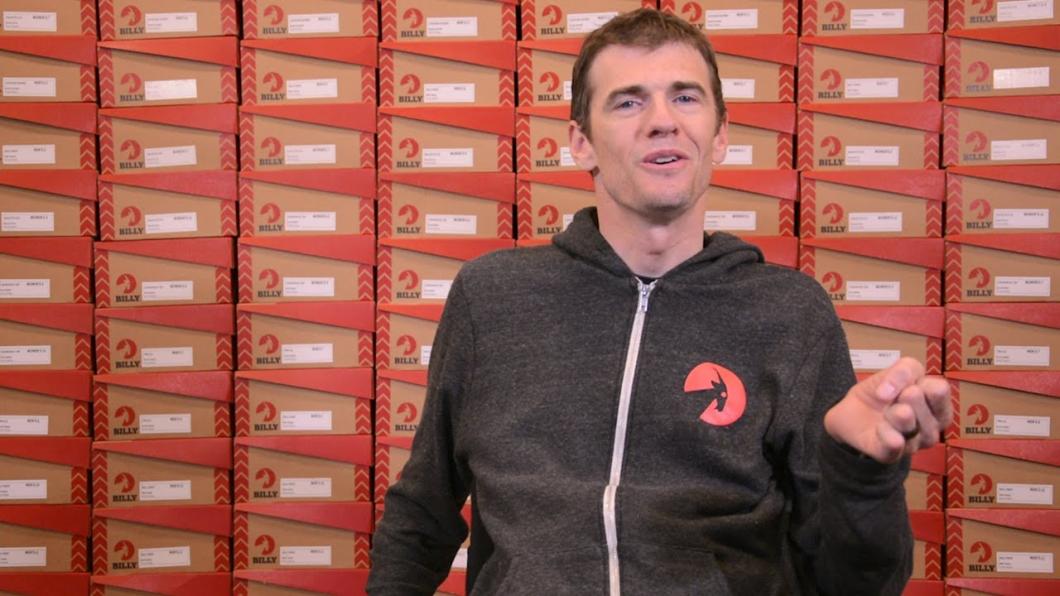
(659, 117)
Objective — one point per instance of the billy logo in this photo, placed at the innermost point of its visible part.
(132, 87)
(406, 345)
(124, 484)
(267, 482)
(271, 345)
(978, 77)
(978, 416)
(125, 416)
(831, 79)
(411, 88)
(832, 147)
(550, 216)
(270, 212)
(980, 210)
(271, 280)
(550, 83)
(266, 547)
(836, 12)
(833, 284)
(982, 554)
(833, 213)
(271, 148)
(273, 17)
(693, 13)
(132, 221)
(984, 485)
(132, 21)
(413, 19)
(980, 277)
(978, 348)
(132, 155)
(407, 414)
(986, 7)
(408, 215)
(411, 150)
(549, 148)
(272, 87)
(127, 350)
(976, 142)
(723, 392)
(552, 16)
(267, 411)
(408, 285)
(126, 284)
(123, 551)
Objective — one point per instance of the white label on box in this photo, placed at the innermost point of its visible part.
(877, 18)
(738, 88)
(874, 359)
(11, 490)
(460, 560)
(567, 218)
(20, 155)
(1022, 286)
(732, 19)
(35, 22)
(1021, 78)
(870, 88)
(1021, 355)
(168, 223)
(879, 221)
(587, 22)
(27, 221)
(298, 155)
(309, 287)
(451, 224)
(425, 355)
(305, 555)
(565, 158)
(158, 424)
(309, 221)
(1024, 10)
(452, 27)
(436, 289)
(746, 221)
(1025, 494)
(166, 490)
(27, 556)
(1019, 149)
(449, 158)
(171, 89)
(324, 22)
(1021, 219)
(25, 288)
(175, 556)
(25, 355)
(739, 155)
(154, 291)
(163, 157)
(291, 420)
(167, 357)
(568, 90)
(312, 88)
(171, 22)
(882, 291)
(24, 425)
(867, 155)
(29, 86)
(305, 488)
(306, 354)
(449, 93)
(1028, 426)
(1011, 562)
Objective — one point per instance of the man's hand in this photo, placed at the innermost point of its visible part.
(894, 412)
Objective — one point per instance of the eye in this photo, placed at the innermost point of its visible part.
(686, 98)
(625, 103)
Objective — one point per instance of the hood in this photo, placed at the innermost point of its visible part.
(722, 252)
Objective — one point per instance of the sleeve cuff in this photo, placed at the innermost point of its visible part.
(851, 471)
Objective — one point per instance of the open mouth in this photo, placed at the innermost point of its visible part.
(664, 158)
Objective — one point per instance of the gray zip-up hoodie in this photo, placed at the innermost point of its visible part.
(625, 438)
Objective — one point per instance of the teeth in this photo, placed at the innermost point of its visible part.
(662, 160)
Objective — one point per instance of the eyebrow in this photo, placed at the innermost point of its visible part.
(640, 90)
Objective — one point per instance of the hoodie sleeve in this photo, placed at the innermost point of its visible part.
(422, 529)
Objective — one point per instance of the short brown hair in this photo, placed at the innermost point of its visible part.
(644, 28)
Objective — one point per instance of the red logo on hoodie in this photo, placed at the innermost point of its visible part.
(727, 398)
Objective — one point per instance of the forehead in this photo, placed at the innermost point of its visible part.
(618, 66)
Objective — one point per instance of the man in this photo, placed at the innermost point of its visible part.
(640, 409)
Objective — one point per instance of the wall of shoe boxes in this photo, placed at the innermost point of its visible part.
(228, 230)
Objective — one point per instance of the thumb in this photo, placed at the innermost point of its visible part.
(886, 385)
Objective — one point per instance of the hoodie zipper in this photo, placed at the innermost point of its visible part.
(618, 450)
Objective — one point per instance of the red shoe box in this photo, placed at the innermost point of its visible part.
(999, 543)
(572, 18)
(929, 536)
(1002, 474)
(48, 68)
(897, 135)
(46, 336)
(1001, 130)
(52, 404)
(308, 268)
(168, 72)
(163, 584)
(288, 137)
(545, 69)
(876, 271)
(313, 18)
(48, 204)
(752, 16)
(300, 203)
(183, 539)
(324, 535)
(872, 204)
(307, 334)
(46, 270)
(391, 455)
(162, 405)
(446, 205)
(1008, 405)
(44, 582)
(304, 402)
(438, 73)
(126, 19)
(924, 485)
(880, 335)
(44, 470)
(164, 272)
(414, 270)
(865, 17)
(167, 138)
(547, 201)
(308, 71)
(753, 203)
(1002, 62)
(761, 137)
(308, 581)
(968, 14)
(1002, 267)
(876, 68)
(982, 337)
(41, 136)
(400, 395)
(420, 138)
(782, 251)
(1002, 199)
(65, 17)
(164, 338)
(170, 205)
(431, 20)
(404, 335)
(161, 472)
(307, 468)
(759, 68)
(52, 539)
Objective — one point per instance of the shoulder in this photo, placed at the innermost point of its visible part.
(512, 268)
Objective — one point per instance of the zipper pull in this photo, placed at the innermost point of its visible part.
(645, 291)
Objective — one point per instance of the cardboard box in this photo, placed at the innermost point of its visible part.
(759, 68)
(761, 136)
(171, 205)
(547, 201)
(446, 205)
(777, 250)
(161, 472)
(308, 71)
(40, 136)
(46, 336)
(46, 539)
(305, 335)
(541, 139)
(988, 543)
(876, 271)
(439, 73)
(164, 272)
(742, 17)
(162, 539)
(1003, 473)
(875, 68)
(1002, 267)
(44, 470)
(879, 335)
(929, 536)
(61, 584)
(572, 18)
(959, 586)
(993, 405)
(275, 19)
(404, 334)
(53, 404)
(49, 17)
(55, 204)
(446, 139)
(47, 68)
(168, 138)
(866, 17)
(131, 19)
(859, 204)
(162, 405)
(1001, 131)
(291, 137)
(39, 270)
(545, 68)
(399, 398)
(164, 338)
(304, 402)
(294, 203)
(923, 485)
(307, 581)
(967, 14)
(164, 584)
(1002, 199)
(997, 62)
(391, 455)
(898, 135)
(307, 468)
(429, 20)
(168, 72)
(319, 535)
(982, 337)
(422, 271)
(308, 268)
(752, 203)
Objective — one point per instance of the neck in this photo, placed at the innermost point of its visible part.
(652, 248)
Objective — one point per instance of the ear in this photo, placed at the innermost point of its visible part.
(581, 148)
(720, 144)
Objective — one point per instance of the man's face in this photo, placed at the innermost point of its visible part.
(653, 123)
